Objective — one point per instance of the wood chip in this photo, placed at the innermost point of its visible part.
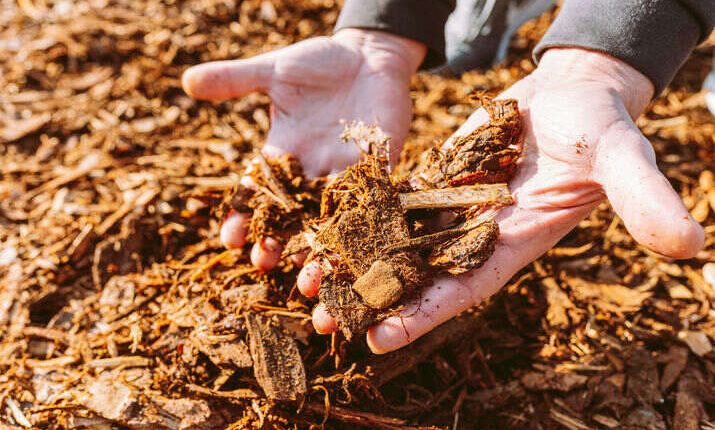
(458, 197)
(697, 341)
(276, 360)
(689, 410)
(120, 402)
(17, 413)
(123, 361)
(18, 129)
(709, 274)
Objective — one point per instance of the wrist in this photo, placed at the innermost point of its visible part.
(576, 64)
(385, 50)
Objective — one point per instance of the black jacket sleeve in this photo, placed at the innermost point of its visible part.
(420, 20)
(653, 36)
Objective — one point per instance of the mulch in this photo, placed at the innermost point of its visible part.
(119, 307)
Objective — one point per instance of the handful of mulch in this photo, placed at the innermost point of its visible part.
(373, 233)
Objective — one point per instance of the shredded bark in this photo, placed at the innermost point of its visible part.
(120, 308)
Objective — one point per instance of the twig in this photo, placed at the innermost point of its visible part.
(139, 200)
(90, 162)
(218, 183)
(211, 263)
(52, 363)
(125, 361)
(136, 307)
(47, 333)
(17, 413)
(383, 368)
(241, 393)
(569, 422)
(361, 418)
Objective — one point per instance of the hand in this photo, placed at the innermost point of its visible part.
(580, 145)
(353, 75)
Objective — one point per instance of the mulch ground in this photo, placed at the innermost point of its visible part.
(120, 309)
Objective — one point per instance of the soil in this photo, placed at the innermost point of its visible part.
(120, 309)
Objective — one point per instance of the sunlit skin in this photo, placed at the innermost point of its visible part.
(580, 146)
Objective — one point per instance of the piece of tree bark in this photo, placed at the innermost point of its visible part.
(467, 252)
(366, 419)
(145, 410)
(277, 364)
(689, 409)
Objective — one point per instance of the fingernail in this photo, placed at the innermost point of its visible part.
(269, 244)
(233, 230)
(387, 336)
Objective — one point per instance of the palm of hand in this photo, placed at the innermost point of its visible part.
(320, 82)
(314, 85)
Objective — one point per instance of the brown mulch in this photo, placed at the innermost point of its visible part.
(120, 309)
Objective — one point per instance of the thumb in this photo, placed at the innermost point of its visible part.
(219, 80)
(644, 199)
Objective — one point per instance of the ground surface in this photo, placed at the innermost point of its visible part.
(119, 307)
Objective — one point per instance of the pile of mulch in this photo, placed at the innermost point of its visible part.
(119, 307)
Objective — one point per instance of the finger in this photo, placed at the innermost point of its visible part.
(266, 254)
(650, 208)
(219, 80)
(234, 229)
(309, 279)
(322, 321)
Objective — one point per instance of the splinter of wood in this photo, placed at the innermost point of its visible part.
(457, 197)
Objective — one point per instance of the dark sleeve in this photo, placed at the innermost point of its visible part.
(420, 20)
(653, 36)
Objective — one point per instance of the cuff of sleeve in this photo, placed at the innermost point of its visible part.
(653, 36)
(420, 20)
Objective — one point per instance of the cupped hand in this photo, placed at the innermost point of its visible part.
(580, 146)
(313, 85)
